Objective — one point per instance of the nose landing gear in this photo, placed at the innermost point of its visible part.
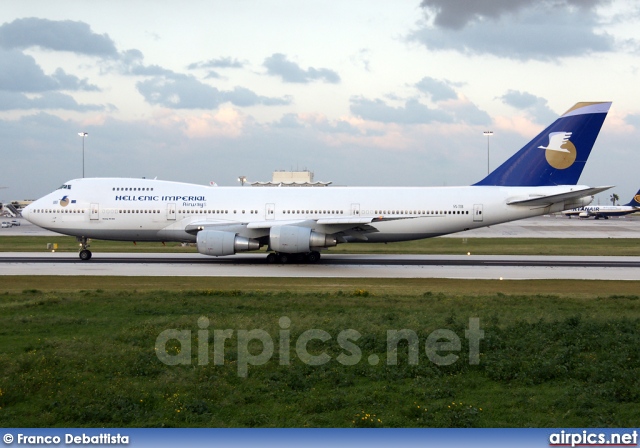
(85, 253)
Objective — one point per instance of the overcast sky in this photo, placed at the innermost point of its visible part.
(362, 92)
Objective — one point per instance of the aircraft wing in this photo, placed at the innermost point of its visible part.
(329, 225)
(555, 198)
(348, 221)
(195, 226)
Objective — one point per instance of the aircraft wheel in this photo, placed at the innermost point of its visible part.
(284, 258)
(85, 255)
(272, 258)
(313, 257)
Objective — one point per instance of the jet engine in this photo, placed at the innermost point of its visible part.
(294, 239)
(214, 242)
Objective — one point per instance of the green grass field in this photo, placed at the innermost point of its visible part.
(82, 352)
(477, 246)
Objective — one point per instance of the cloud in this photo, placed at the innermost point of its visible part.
(278, 65)
(71, 82)
(44, 101)
(339, 127)
(465, 111)
(226, 123)
(521, 30)
(174, 90)
(289, 121)
(65, 35)
(633, 120)
(177, 91)
(220, 63)
(241, 96)
(413, 112)
(20, 73)
(438, 90)
(225, 62)
(536, 106)
(362, 57)
(456, 14)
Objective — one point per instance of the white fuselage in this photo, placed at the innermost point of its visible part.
(154, 210)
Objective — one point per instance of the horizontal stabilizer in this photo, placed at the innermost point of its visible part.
(555, 198)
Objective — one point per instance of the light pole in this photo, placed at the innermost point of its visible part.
(83, 135)
(488, 134)
(242, 180)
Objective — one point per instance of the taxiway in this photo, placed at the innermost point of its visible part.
(362, 266)
(331, 265)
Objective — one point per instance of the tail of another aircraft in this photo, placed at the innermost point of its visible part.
(557, 155)
(635, 201)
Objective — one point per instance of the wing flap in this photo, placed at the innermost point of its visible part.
(195, 226)
(343, 221)
(337, 224)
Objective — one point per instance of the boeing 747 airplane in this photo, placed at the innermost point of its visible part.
(295, 224)
(605, 211)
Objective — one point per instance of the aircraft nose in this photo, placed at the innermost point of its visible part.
(26, 212)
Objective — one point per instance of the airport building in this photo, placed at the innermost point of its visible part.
(291, 179)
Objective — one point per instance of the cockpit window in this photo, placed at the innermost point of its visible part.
(65, 187)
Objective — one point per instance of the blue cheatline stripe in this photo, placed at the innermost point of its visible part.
(297, 437)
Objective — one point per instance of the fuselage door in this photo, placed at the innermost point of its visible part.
(171, 211)
(94, 214)
(355, 209)
(270, 211)
(477, 212)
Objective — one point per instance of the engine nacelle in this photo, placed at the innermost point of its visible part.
(294, 239)
(214, 242)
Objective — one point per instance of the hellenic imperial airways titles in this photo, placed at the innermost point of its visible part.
(295, 224)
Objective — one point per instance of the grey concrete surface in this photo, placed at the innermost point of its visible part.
(338, 266)
(369, 266)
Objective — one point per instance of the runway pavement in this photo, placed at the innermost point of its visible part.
(364, 266)
(334, 265)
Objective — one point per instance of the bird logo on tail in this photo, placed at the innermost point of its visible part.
(560, 152)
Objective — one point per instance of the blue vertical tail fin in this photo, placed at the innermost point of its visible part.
(635, 201)
(558, 154)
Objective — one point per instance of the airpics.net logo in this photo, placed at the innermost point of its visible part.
(591, 438)
(256, 347)
(560, 152)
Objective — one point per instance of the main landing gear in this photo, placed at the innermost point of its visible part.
(85, 254)
(281, 257)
